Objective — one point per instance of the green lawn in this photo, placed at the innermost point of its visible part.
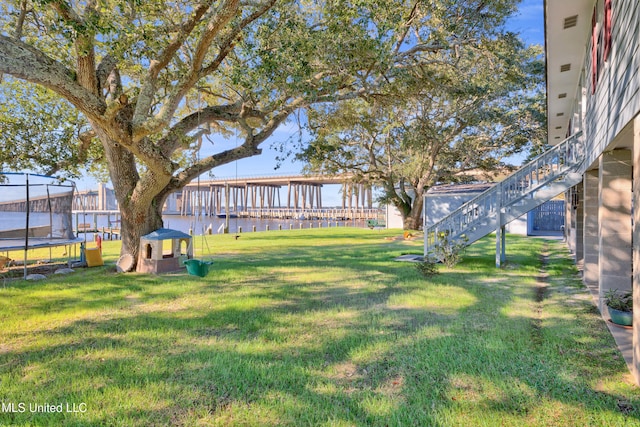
(315, 327)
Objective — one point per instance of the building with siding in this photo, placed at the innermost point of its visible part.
(593, 108)
(593, 84)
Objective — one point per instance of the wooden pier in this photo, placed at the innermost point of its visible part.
(310, 214)
(242, 197)
(110, 232)
(107, 233)
(259, 197)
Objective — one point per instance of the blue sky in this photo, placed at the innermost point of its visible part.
(529, 21)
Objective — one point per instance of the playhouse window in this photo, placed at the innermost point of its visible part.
(167, 249)
(184, 247)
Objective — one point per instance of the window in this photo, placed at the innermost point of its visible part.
(600, 39)
(594, 50)
(607, 29)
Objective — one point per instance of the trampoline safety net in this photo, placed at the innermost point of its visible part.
(34, 210)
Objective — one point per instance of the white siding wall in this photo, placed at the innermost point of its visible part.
(437, 207)
(617, 98)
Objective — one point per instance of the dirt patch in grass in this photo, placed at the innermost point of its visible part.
(541, 287)
(17, 271)
(346, 370)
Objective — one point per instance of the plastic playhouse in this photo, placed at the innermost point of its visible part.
(163, 250)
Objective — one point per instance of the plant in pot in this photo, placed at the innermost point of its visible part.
(620, 305)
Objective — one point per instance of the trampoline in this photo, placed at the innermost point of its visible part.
(35, 213)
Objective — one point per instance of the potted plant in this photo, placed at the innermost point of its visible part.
(620, 305)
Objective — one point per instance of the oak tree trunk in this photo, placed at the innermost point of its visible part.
(413, 220)
(138, 221)
(139, 198)
(410, 208)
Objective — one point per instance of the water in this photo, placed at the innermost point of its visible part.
(14, 220)
(201, 225)
(59, 223)
(187, 224)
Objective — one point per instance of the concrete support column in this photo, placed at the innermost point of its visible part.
(636, 250)
(577, 210)
(102, 197)
(590, 230)
(614, 216)
(570, 220)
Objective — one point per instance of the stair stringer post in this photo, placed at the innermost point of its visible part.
(500, 230)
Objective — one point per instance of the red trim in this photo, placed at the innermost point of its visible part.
(607, 29)
(594, 51)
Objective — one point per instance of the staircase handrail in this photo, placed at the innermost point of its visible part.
(549, 166)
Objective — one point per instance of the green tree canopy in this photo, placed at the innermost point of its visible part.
(442, 122)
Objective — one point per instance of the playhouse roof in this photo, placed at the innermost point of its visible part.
(166, 234)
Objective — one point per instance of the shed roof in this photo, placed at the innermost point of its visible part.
(451, 189)
(166, 234)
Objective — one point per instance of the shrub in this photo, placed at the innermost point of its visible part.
(622, 301)
(450, 251)
(427, 268)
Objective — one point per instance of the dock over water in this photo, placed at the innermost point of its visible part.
(260, 197)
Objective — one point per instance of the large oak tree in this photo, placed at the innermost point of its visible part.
(150, 77)
(449, 121)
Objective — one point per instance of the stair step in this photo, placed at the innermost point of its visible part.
(547, 176)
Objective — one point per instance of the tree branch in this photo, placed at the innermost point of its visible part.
(67, 13)
(247, 149)
(226, 46)
(407, 25)
(228, 113)
(278, 118)
(146, 96)
(25, 62)
(226, 12)
(17, 33)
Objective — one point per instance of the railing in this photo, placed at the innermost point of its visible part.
(483, 212)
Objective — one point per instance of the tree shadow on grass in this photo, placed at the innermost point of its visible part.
(306, 354)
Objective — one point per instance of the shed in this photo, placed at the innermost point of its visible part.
(441, 200)
(162, 251)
